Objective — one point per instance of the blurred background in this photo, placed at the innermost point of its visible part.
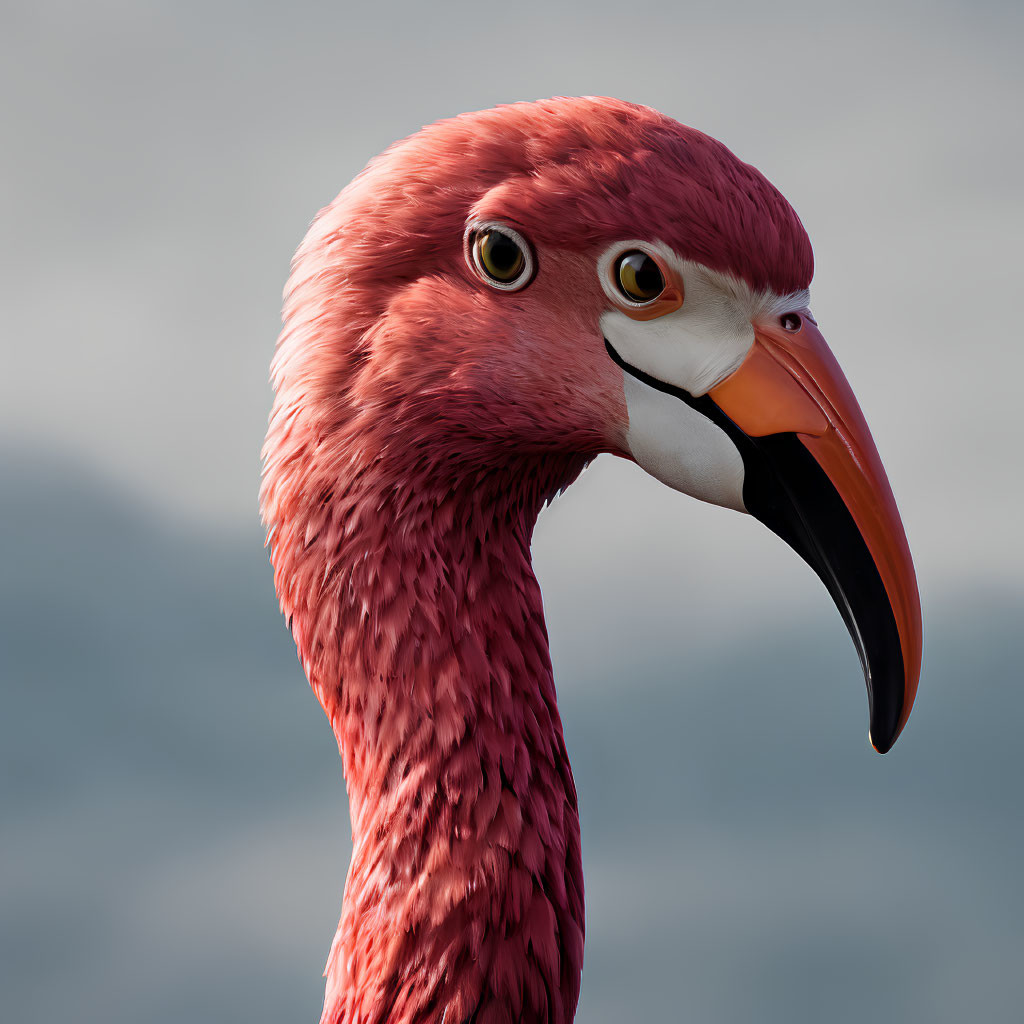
(173, 825)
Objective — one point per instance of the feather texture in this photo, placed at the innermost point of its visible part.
(421, 420)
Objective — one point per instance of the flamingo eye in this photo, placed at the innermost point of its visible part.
(500, 256)
(638, 276)
(791, 322)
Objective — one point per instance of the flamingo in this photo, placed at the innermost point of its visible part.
(489, 305)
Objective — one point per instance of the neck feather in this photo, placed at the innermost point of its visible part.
(419, 621)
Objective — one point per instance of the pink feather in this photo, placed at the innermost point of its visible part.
(421, 420)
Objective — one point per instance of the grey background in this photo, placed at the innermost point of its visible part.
(173, 826)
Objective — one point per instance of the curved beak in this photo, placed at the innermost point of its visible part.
(813, 476)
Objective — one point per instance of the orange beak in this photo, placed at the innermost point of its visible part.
(813, 476)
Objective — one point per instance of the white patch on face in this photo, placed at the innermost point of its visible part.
(681, 447)
(703, 341)
(693, 348)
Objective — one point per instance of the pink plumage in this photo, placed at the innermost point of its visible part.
(421, 420)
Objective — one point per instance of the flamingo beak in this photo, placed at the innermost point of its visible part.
(802, 461)
(812, 475)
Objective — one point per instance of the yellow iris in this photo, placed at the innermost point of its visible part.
(640, 278)
(500, 255)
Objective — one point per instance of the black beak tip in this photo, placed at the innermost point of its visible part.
(885, 726)
(882, 746)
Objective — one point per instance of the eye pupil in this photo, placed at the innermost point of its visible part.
(791, 321)
(639, 276)
(500, 255)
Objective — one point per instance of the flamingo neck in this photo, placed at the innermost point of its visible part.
(422, 631)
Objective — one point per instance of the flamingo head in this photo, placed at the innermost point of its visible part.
(576, 276)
